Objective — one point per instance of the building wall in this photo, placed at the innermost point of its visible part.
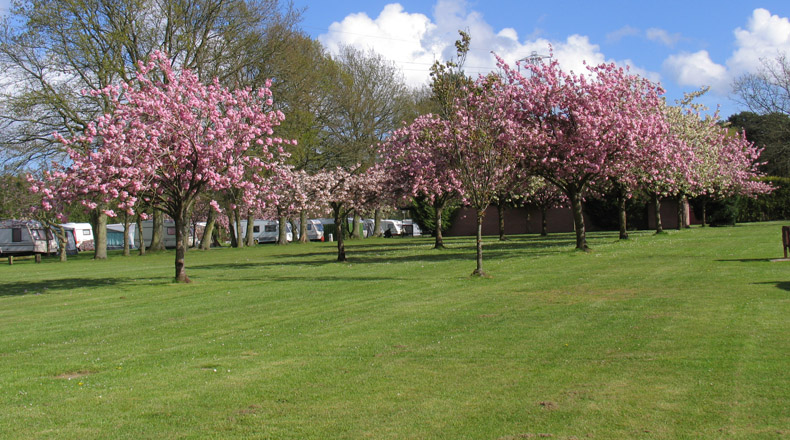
(527, 220)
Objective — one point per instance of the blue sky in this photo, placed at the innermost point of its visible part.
(684, 45)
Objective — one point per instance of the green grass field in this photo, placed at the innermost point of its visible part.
(683, 335)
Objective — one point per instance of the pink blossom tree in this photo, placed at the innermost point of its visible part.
(480, 142)
(346, 191)
(578, 128)
(417, 166)
(545, 196)
(175, 138)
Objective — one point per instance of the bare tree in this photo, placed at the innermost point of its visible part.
(767, 90)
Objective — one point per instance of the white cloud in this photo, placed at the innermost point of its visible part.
(415, 41)
(662, 36)
(625, 31)
(765, 36)
(697, 69)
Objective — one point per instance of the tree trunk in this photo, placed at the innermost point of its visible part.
(250, 234)
(578, 220)
(657, 207)
(140, 238)
(63, 240)
(377, 232)
(501, 211)
(622, 201)
(439, 206)
(158, 232)
(63, 247)
(239, 237)
(303, 235)
(704, 212)
(340, 229)
(208, 232)
(282, 236)
(303, 238)
(232, 229)
(681, 212)
(479, 270)
(544, 224)
(182, 235)
(356, 230)
(99, 225)
(126, 242)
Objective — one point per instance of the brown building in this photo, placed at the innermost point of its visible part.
(527, 220)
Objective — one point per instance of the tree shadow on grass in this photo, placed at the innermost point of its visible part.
(319, 280)
(745, 260)
(40, 287)
(784, 285)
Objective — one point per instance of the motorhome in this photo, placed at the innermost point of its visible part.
(168, 234)
(266, 231)
(83, 235)
(25, 237)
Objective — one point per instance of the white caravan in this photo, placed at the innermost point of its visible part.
(390, 227)
(25, 237)
(83, 235)
(168, 236)
(410, 227)
(315, 229)
(266, 231)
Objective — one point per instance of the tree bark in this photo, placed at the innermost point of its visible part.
(377, 232)
(544, 224)
(208, 232)
(356, 230)
(340, 230)
(232, 229)
(657, 208)
(99, 225)
(704, 211)
(303, 237)
(438, 206)
(479, 270)
(63, 240)
(681, 212)
(126, 242)
(250, 228)
(157, 233)
(140, 238)
(63, 243)
(578, 219)
(622, 201)
(501, 212)
(182, 234)
(282, 236)
(239, 237)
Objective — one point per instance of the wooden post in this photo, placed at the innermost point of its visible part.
(785, 239)
(38, 258)
(10, 260)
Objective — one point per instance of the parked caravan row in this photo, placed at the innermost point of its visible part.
(389, 227)
(266, 231)
(168, 234)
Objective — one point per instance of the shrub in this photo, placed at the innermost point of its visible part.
(773, 206)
